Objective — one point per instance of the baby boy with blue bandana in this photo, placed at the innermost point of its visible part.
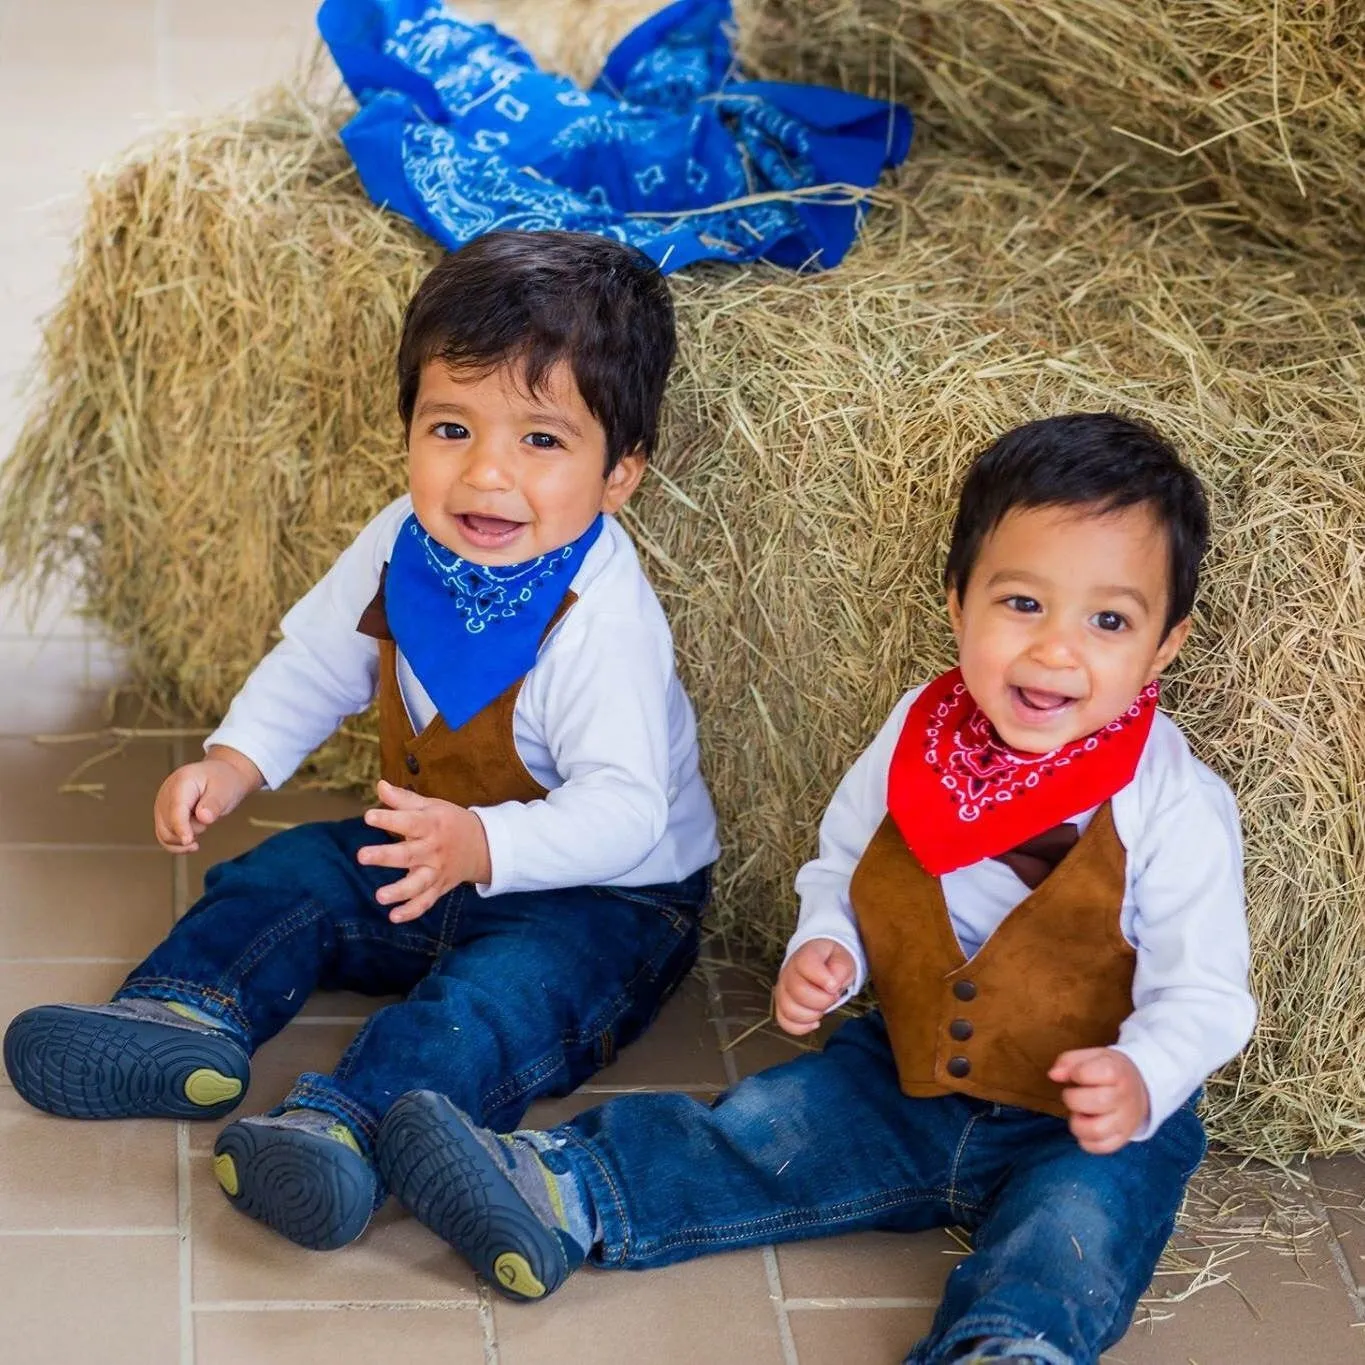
(532, 880)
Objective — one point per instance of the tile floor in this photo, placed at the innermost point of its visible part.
(115, 1245)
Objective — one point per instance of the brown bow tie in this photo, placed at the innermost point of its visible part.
(1035, 858)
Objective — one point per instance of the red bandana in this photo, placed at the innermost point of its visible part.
(958, 795)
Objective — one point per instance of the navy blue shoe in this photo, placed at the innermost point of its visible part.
(302, 1173)
(503, 1204)
(128, 1059)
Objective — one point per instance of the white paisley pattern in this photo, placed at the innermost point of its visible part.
(462, 132)
(485, 593)
(980, 773)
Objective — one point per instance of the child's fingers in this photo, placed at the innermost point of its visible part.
(806, 993)
(399, 797)
(1098, 1136)
(405, 854)
(418, 880)
(404, 823)
(1091, 1099)
(1084, 1066)
(415, 908)
(793, 1019)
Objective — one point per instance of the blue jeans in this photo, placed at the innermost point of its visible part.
(1064, 1242)
(507, 997)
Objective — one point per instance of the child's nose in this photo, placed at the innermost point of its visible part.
(485, 467)
(1053, 649)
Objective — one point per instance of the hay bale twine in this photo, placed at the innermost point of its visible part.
(1251, 110)
(216, 420)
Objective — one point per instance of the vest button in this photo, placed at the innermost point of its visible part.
(959, 1067)
(414, 766)
(964, 990)
(961, 1029)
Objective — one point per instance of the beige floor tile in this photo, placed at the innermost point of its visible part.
(70, 1300)
(867, 1336)
(679, 1051)
(33, 809)
(344, 1006)
(396, 1260)
(275, 1068)
(1274, 1309)
(714, 1311)
(354, 1336)
(24, 984)
(76, 903)
(62, 1174)
(869, 1265)
(1340, 1182)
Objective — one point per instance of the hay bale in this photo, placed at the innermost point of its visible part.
(216, 421)
(1252, 110)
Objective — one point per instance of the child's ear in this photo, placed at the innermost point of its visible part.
(1169, 647)
(955, 612)
(623, 480)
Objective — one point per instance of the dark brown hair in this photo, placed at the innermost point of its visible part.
(535, 298)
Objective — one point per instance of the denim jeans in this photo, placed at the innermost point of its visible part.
(1064, 1242)
(507, 997)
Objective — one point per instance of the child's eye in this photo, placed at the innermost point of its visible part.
(1020, 603)
(542, 440)
(1110, 620)
(450, 431)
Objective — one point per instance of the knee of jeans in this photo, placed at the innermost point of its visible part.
(770, 1115)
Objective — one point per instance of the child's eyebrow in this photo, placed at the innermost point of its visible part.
(549, 417)
(429, 406)
(1023, 576)
(1120, 590)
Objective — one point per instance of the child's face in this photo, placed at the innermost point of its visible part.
(1061, 625)
(500, 476)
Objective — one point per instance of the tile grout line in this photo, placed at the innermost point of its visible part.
(774, 1276)
(815, 1305)
(1337, 1252)
(186, 1246)
(332, 1305)
(33, 846)
(491, 1354)
(88, 1232)
(179, 891)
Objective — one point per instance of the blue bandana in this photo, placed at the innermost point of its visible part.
(469, 631)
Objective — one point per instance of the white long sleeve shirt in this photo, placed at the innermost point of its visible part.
(601, 721)
(1183, 906)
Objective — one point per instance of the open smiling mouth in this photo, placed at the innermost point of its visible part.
(1041, 703)
(486, 530)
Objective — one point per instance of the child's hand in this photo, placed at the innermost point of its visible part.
(818, 973)
(196, 795)
(1105, 1094)
(442, 845)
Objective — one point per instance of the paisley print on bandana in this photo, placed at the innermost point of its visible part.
(958, 795)
(469, 631)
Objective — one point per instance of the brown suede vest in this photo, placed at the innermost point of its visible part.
(1056, 974)
(476, 765)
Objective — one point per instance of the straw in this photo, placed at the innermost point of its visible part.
(215, 421)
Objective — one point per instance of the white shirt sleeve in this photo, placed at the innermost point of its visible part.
(603, 694)
(1192, 1009)
(855, 812)
(323, 670)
